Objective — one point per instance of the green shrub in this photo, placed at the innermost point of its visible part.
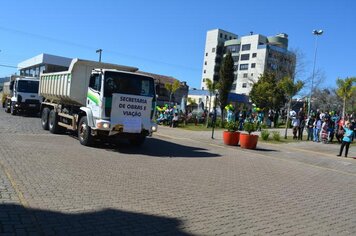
(276, 136)
(250, 127)
(265, 134)
(231, 126)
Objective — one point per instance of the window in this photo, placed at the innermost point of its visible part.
(244, 85)
(254, 54)
(205, 63)
(245, 57)
(245, 75)
(246, 47)
(213, 50)
(253, 65)
(95, 82)
(243, 66)
(206, 54)
(204, 72)
(251, 74)
(225, 36)
(235, 58)
(235, 77)
(230, 37)
(220, 35)
(233, 48)
(203, 80)
(233, 87)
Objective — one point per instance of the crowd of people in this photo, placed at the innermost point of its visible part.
(324, 127)
(320, 126)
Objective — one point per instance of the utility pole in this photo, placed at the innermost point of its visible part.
(99, 51)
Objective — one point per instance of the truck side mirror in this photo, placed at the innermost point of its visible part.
(11, 85)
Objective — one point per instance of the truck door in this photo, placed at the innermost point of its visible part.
(93, 96)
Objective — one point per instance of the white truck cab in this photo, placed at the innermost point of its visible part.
(23, 95)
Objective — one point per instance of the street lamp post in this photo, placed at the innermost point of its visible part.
(316, 33)
(99, 51)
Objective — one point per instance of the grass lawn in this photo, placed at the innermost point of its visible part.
(198, 127)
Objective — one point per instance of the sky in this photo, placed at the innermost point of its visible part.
(168, 37)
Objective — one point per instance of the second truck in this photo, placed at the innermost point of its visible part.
(20, 95)
(98, 100)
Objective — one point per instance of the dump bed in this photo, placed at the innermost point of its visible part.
(6, 89)
(71, 87)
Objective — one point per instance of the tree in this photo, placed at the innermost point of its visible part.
(226, 80)
(326, 99)
(345, 90)
(192, 101)
(290, 89)
(212, 87)
(172, 88)
(266, 93)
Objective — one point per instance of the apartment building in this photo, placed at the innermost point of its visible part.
(253, 55)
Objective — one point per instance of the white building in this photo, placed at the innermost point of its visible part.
(213, 54)
(43, 63)
(253, 55)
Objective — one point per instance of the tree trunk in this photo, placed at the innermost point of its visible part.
(287, 120)
(207, 115)
(222, 118)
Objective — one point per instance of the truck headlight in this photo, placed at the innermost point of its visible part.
(154, 128)
(102, 124)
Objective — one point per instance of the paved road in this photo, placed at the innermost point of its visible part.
(178, 183)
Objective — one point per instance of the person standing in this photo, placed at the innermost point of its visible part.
(317, 128)
(346, 140)
(309, 124)
(295, 124)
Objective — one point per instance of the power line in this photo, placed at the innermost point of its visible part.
(60, 41)
(8, 66)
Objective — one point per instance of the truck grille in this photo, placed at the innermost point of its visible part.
(32, 101)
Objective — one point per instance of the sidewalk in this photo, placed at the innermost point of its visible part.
(307, 152)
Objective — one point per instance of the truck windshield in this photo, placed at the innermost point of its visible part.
(27, 86)
(125, 83)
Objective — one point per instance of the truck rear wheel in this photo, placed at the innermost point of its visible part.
(53, 122)
(84, 132)
(44, 118)
(137, 140)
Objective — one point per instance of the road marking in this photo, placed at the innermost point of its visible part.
(22, 199)
(13, 183)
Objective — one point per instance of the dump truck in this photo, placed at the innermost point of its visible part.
(22, 95)
(98, 101)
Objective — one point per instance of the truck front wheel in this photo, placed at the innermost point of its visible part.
(7, 108)
(84, 132)
(44, 118)
(13, 110)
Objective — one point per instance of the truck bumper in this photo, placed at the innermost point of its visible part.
(27, 106)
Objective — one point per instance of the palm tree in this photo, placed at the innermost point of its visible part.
(212, 86)
(290, 89)
(172, 88)
(345, 90)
